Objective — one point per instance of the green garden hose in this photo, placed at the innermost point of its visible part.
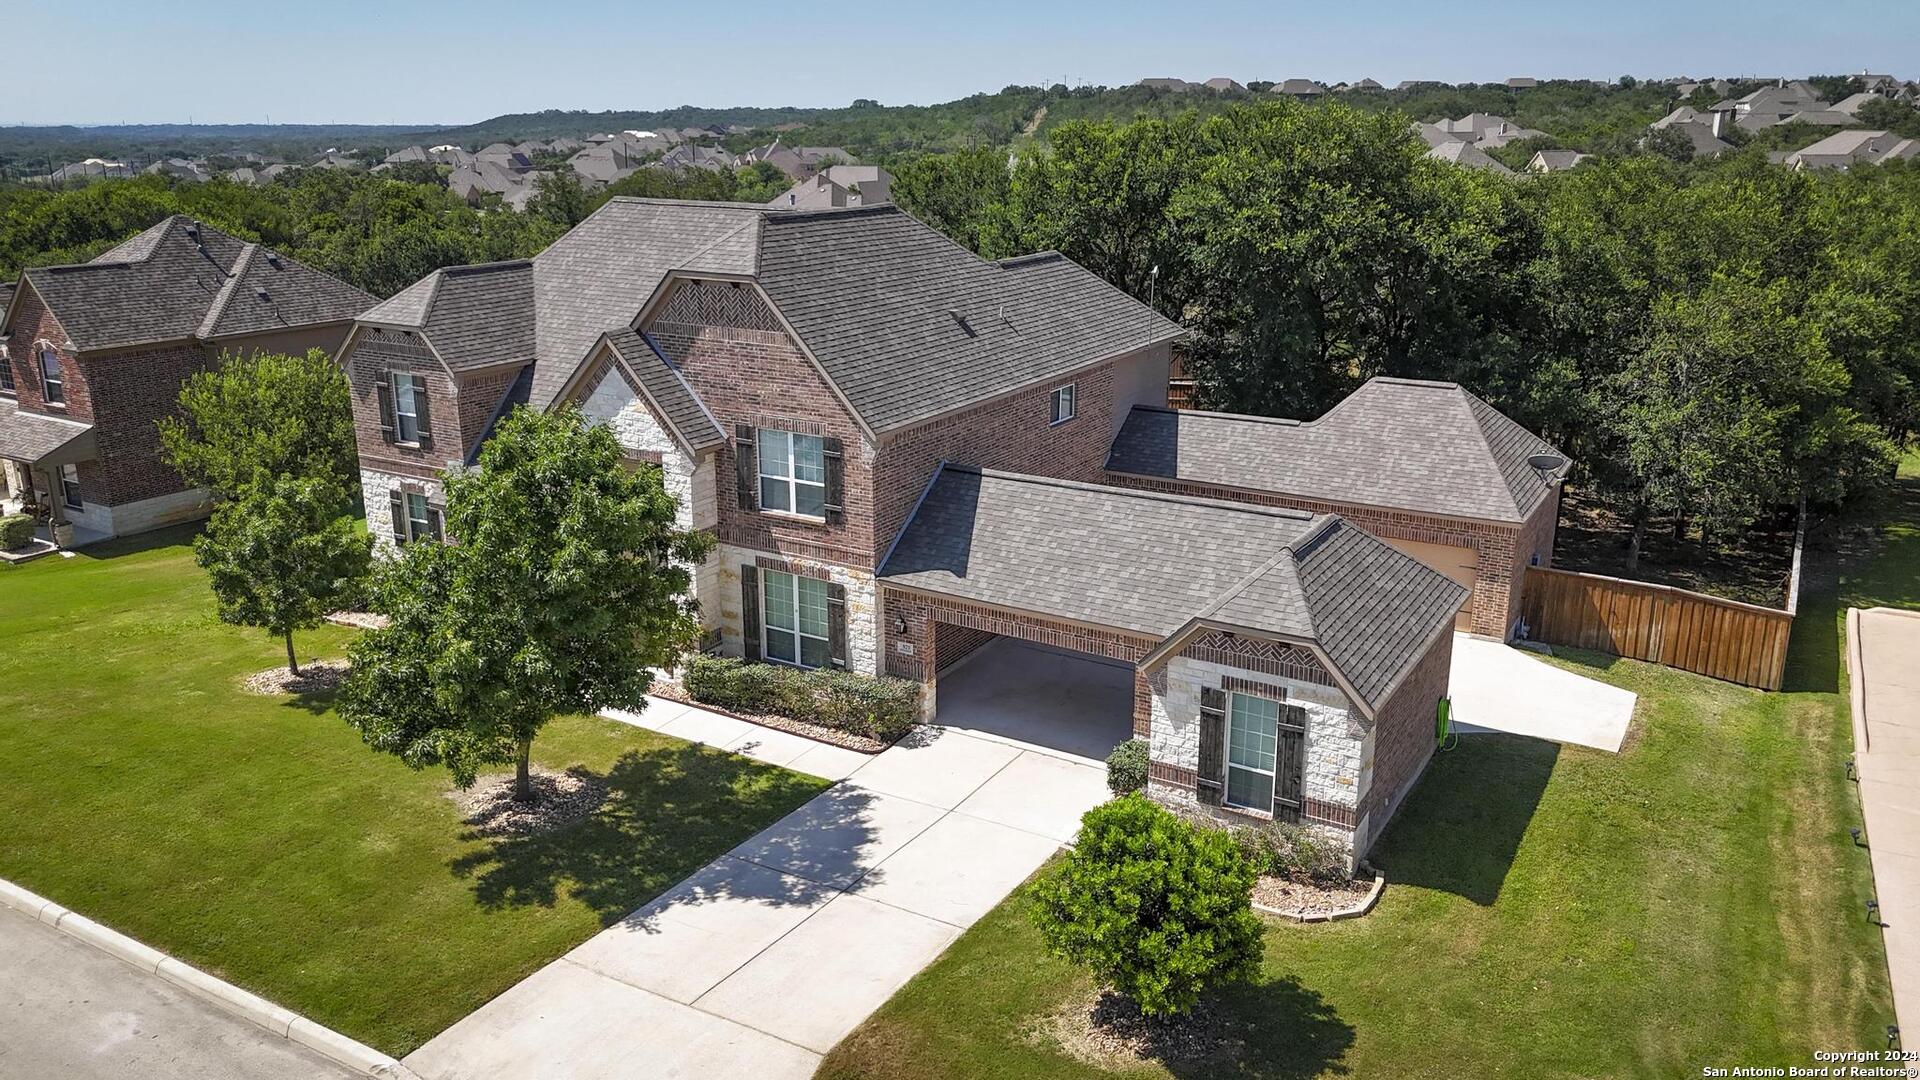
(1443, 725)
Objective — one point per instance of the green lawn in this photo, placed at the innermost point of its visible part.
(1693, 901)
(257, 838)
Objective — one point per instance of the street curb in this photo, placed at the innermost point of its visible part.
(247, 1006)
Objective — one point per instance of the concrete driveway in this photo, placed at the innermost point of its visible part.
(72, 1011)
(761, 962)
(1882, 646)
(1499, 687)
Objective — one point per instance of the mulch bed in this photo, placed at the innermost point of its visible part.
(365, 620)
(673, 691)
(1309, 897)
(317, 677)
(560, 798)
(1105, 1030)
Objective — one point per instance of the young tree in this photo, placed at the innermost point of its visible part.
(283, 555)
(566, 582)
(1158, 909)
(267, 415)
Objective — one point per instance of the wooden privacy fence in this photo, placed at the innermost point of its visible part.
(1742, 643)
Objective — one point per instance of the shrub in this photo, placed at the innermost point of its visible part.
(878, 708)
(16, 531)
(1283, 849)
(1127, 767)
(1158, 909)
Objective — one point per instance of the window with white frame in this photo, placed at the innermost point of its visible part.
(6, 372)
(406, 406)
(419, 523)
(1253, 743)
(794, 618)
(793, 473)
(53, 389)
(70, 486)
(1061, 408)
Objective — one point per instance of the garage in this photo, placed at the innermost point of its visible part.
(1078, 705)
(1457, 563)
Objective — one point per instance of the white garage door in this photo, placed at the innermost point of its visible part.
(1455, 562)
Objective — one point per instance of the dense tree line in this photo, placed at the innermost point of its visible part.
(1709, 341)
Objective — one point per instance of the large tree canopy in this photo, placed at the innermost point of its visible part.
(566, 581)
(264, 416)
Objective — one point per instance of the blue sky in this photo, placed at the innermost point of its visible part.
(356, 61)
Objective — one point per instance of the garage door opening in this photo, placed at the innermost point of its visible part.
(1459, 563)
(1071, 703)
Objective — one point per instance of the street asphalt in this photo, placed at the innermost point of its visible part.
(69, 1010)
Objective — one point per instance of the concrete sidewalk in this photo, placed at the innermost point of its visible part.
(1503, 688)
(69, 1010)
(761, 962)
(1883, 662)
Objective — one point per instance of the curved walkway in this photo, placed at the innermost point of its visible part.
(760, 962)
(1883, 645)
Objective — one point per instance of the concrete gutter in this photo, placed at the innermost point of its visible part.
(247, 1006)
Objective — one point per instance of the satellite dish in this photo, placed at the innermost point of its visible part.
(1546, 462)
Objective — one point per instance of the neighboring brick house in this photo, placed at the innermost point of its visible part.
(903, 452)
(94, 356)
(1426, 466)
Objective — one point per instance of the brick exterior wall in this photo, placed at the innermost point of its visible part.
(732, 350)
(1013, 433)
(370, 357)
(953, 643)
(1403, 739)
(1500, 551)
(478, 397)
(125, 393)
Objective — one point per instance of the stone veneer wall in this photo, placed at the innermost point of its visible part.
(1337, 741)
(863, 631)
(376, 490)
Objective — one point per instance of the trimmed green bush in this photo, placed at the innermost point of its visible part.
(1159, 909)
(1284, 849)
(16, 531)
(878, 708)
(1127, 767)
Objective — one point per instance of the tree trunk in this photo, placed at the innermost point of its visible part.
(293, 665)
(1639, 534)
(522, 781)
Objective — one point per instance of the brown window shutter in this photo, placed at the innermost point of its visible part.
(426, 414)
(1289, 770)
(1210, 783)
(399, 516)
(435, 522)
(750, 612)
(746, 466)
(836, 462)
(388, 425)
(837, 623)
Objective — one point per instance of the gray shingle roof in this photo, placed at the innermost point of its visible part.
(669, 389)
(162, 285)
(35, 437)
(473, 316)
(1157, 564)
(906, 323)
(1429, 447)
(874, 295)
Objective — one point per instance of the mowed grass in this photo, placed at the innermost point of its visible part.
(258, 838)
(1553, 912)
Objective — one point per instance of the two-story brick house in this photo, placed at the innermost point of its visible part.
(903, 452)
(94, 355)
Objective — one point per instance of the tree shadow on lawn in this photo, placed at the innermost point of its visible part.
(1292, 1033)
(669, 812)
(1461, 827)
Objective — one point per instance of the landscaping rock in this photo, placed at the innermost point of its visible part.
(317, 677)
(560, 798)
(1305, 899)
(365, 620)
